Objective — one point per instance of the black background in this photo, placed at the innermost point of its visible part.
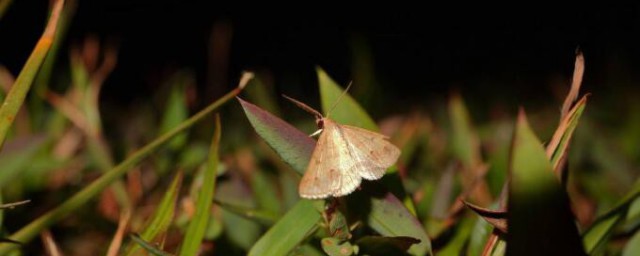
(418, 51)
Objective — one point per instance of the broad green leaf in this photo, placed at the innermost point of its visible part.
(540, 218)
(22, 85)
(199, 222)
(346, 110)
(148, 247)
(158, 225)
(292, 145)
(390, 217)
(294, 227)
(94, 188)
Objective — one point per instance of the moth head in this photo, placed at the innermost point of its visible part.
(320, 122)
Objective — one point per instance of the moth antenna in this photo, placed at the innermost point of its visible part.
(304, 106)
(339, 98)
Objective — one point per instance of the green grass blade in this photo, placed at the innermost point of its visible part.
(149, 247)
(540, 218)
(198, 225)
(162, 218)
(296, 225)
(291, 144)
(28, 232)
(633, 245)
(21, 86)
(594, 237)
(43, 77)
(267, 218)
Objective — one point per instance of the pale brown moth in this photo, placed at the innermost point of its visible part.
(343, 156)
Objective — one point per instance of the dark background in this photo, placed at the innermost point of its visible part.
(419, 52)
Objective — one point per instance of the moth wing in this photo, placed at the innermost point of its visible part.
(373, 151)
(331, 168)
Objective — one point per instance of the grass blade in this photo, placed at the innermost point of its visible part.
(20, 88)
(149, 247)
(50, 245)
(93, 189)
(557, 148)
(264, 217)
(540, 218)
(116, 242)
(198, 225)
(594, 237)
(163, 216)
(296, 225)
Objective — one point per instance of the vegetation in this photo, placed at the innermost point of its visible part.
(224, 179)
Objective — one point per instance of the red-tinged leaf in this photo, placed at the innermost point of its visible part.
(292, 145)
(498, 219)
(336, 247)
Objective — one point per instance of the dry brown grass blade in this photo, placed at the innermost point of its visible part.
(114, 247)
(49, 244)
(578, 72)
(491, 242)
(13, 205)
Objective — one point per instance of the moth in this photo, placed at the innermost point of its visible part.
(343, 156)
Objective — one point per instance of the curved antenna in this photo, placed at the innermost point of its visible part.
(339, 98)
(304, 106)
